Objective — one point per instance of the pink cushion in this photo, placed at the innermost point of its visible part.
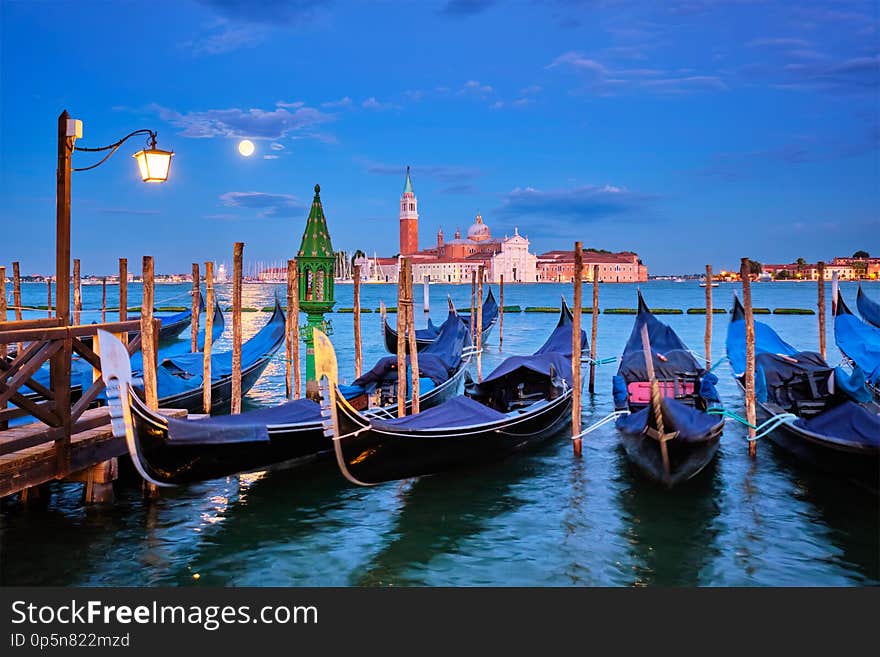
(640, 391)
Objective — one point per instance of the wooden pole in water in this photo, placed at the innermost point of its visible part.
(209, 337)
(148, 336)
(751, 414)
(501, 312)
(426, 294)
(123, 294)
(235, 402)
(707, 341)
(292, 375)
(821, 289)
(48, 296)
(16, 297)
(594, 332)
(149, 349)
(479, 325)
(358, 355)
(577, 281)
(77, 293)
(103, 299)
(834, 293)
(411, 332)
(473, 295)
(401, 340)
(655, 398)
(194, 325)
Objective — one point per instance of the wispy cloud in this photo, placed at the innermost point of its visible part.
(563, 212)
(778, 42)
(600, 78)
(738, 166)
(247, 23)
(342, 102)
(267, 205)
(463, 8)
(375, 105)
(476, 88)
(450, 175)
(286, 119)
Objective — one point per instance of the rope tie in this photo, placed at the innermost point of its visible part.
(605, 420)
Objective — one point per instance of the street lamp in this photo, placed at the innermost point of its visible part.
(153, 164)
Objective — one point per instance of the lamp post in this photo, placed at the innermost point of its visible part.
(153, 165)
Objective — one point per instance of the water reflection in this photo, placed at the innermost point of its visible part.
(438, 514)
(670, 532)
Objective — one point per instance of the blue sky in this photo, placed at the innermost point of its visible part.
(690, 131)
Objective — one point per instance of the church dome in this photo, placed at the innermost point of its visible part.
(478, 231)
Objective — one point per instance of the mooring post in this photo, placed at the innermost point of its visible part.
(49, 296)
(426, 293)
(411, 333)
(751, 414)
(294, 327)
(77, 293)
(123, 294)
(707, 340)
(473, 295)
(401, 340)
(577, 281)
(291, 330)
(149, 339)
(209, 337)
(821, 290)
(479, 324)
(16, 298)
(103, 299)
(594, 332)
(235, 402)
(358, 355)
(501, 312)
(196, 297)
(834, 293)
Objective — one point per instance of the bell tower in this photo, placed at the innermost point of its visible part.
(409, 219)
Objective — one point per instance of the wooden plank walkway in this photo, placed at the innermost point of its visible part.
(39, 463)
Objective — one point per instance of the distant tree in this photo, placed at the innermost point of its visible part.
(801, 262)
(861, 254)
(781, 275)
(755, 268)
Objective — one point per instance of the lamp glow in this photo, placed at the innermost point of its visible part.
(154, 164)
(246, 147)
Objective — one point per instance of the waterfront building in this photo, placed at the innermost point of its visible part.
(623, 267)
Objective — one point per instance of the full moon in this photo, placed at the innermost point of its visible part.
(246, 147)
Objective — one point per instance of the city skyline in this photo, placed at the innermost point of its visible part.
(733, 129)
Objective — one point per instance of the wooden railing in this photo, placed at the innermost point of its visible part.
(45, 340)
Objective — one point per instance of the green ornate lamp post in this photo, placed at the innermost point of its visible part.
(315, 264)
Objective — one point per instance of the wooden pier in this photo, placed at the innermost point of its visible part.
(70, 439)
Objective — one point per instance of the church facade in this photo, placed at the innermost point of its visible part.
(455, 260)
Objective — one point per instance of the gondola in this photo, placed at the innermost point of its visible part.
(426, 336)
(868, 308)
(524, 401)
(837, 429)
(859, 342)
(687, 392)
(170, 451)
(179, 378)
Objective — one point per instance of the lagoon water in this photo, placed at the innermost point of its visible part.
(541, 518)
